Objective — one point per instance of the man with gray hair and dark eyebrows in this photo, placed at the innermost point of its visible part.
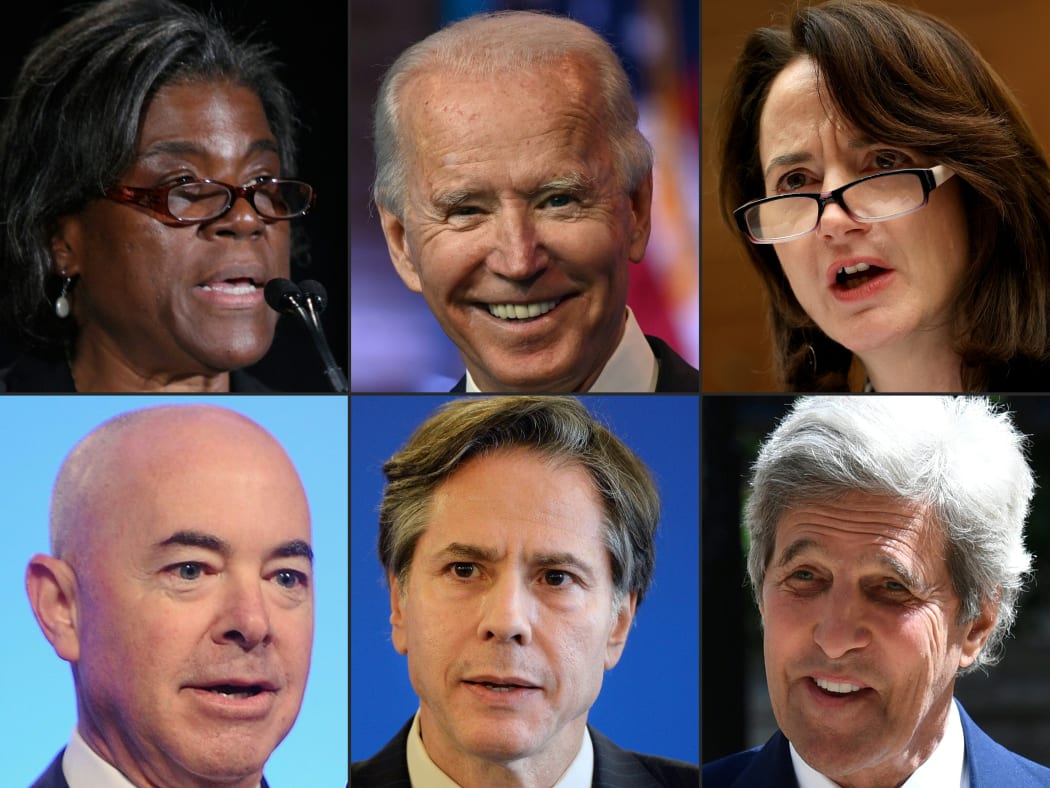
(514, 190)
(887, 557)
(517, 537)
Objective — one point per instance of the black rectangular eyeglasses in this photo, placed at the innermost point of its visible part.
(873, 198)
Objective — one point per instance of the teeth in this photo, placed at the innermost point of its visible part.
(853, 269)
(225, 287)
(521, 311)
(834, 686)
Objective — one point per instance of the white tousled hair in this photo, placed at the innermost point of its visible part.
(498, 43)
(961, 457)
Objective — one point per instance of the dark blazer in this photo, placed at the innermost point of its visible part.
(613, 767)
(675, 374)
(33, 375)
(53, 777)
(991, 765)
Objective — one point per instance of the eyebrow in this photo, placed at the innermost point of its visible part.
(295, 548)
(801, 157)
(800, 546)
(468, 552)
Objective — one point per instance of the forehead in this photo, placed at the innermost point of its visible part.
(518, 500)
(858, 528)
(213, 477)
(796, 111)
(537, 116)
(220, 118)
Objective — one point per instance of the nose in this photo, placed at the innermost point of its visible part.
(244, 618)
(841, 627)
(517, 253)
(506, 613)
(240, 221)
(835, 221)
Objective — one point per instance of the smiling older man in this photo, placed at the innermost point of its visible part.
(887, 557)
(180, 591)
(514, 190)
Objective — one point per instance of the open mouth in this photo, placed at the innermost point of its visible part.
(232, 691)
(837, 688)
(851, 277)
(521, 311)
(239, 286)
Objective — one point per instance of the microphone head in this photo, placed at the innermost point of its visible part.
(315, 293)
(280, 295)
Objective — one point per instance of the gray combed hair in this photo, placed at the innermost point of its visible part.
(959, 456)
(558, 428)
(498, 43)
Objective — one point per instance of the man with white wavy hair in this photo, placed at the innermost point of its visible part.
(887, 557)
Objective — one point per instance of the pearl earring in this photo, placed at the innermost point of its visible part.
(62, 302)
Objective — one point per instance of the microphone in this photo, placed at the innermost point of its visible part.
(306, 301)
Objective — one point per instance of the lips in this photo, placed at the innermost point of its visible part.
(238, 687)
(504, 683)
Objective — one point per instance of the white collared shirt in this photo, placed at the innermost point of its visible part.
(946, 765)
(84, 768)
(424, 773)
(632, 368)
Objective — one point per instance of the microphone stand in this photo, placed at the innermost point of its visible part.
(307, 303)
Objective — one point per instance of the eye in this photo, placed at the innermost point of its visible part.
(793, 182)
(802, 574)
(559, 200)
(290, 578)
(463, 570)
(464, 210)
(556, 577)
(890, 160)
(190, 570)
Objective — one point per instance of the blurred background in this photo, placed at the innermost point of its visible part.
(396, 345)
(312, 50)
(1008, 703)
(736, 345)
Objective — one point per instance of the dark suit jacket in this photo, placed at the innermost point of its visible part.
(33, 375)
(613, 767)
(991, 765)
(53, 777)
(675, 374)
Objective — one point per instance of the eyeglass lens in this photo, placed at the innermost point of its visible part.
(272, 199)
(883, 197)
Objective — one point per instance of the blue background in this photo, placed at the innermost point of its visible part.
(650, 700)
(38, 699)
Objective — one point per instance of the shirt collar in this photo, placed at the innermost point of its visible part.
(631, 368)
(422, 771)
(84, 768)
(946, 765)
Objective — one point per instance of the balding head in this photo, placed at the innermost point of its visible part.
(120, 457)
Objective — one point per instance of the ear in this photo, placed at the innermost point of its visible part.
(400, 255)
(976, 633)
(51, 586)
(397, 616)
(621, 627)
(66, 243)
(641, 218)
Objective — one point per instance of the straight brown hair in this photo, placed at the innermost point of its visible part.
(906, 78)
